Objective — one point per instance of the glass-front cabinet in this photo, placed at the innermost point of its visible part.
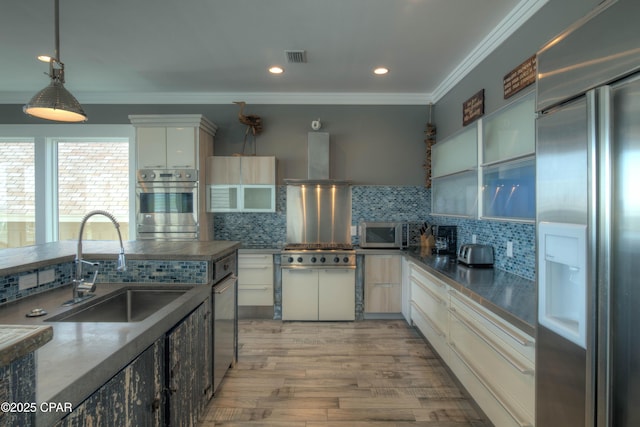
(487, 170)
(508, 162)
(241, 184)
(454, 174)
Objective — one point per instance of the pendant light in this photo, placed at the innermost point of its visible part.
(54, 102)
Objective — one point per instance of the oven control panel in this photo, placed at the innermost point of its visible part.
(318, 258)
(166, 175)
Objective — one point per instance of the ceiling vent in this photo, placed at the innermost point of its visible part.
(296, 56)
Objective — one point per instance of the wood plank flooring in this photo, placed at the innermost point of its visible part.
(376, 373)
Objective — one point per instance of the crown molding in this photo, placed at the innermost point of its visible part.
(518, 16)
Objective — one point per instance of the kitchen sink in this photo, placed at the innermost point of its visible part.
(126, 305)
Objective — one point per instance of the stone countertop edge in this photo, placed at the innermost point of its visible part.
(25, 339)
(17, 260)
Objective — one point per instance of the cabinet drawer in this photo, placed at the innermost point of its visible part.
(431, 305)
(433, 333)
(255, 269)
(426, 280)
(253, 294)
(382, 298)
(508, 335)
(479, 350)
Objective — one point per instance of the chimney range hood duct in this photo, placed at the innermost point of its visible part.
(318, 161)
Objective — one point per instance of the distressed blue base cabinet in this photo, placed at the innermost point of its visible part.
(168, 384)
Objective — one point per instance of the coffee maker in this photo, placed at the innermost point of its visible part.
(446, 237)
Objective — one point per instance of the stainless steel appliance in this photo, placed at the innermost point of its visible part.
(383, 234)
(225, 319)
(167, 204)
(446, 239)
(318, 262)
(318, 282)
(588, 222)
(474, 255)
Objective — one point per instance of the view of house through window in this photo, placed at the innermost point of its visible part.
(92, 175)
(17, 194)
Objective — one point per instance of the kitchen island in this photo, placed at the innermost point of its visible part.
(84, 356)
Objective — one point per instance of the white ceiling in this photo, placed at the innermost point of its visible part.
(217, 51)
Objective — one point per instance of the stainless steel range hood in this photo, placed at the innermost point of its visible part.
(318, 208)
(318, 161)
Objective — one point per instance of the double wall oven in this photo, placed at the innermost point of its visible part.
(167, 204)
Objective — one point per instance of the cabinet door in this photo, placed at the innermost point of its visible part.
(259, 170)
(223, 170)
(133, 394)
(152, 147)
(383, 284)
(337, 294)
(190, 365)
(181, 148)
(299, 294)
(255, 279)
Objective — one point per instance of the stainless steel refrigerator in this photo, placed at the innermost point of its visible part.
(588, 222)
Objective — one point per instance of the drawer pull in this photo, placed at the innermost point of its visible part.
(428, 320)
(525, 370)
(435, 282)
(485, 384)
(507, 330)
(431, 293)
(264, 288)
(253, 267)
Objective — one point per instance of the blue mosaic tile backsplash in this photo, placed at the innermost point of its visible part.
(390, 203)
(138, 271)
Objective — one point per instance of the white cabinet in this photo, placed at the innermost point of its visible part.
(255, 279)
(481, 346)
(318, 294)
(494, 360)
(166, 147)
(382, 283)
(241, 184)
(429, 308)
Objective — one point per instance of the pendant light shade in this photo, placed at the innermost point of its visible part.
(54, 102)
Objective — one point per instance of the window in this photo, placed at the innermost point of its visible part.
(17, 193)
(51, 176)
(92, 175)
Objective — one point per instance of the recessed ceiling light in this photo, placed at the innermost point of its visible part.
(276, 70)
(380, 71)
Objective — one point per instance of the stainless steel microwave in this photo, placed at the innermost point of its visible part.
(383, 235)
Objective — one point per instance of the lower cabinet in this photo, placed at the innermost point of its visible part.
(382, 283)
(134, 396)
(494, 360)
(318, 294)
(190, 364)
(169, 383)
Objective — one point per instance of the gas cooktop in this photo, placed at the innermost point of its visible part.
(318, 255)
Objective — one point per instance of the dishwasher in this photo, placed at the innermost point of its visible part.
(225, 318)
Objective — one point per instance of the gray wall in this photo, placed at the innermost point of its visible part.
(370, 145)
(550, 21)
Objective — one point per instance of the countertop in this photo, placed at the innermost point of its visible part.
(16, 260)
(17, 341)
(82, 356)
(509, 296)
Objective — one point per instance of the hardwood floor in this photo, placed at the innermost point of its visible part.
(316, 374)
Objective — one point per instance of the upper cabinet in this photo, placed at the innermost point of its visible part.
(241, 184)
(166, 148)
(172, 141)
(454, 174)
(508, 162)
(487, 170)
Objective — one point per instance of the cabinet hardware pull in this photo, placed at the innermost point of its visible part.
(431, 293)
(428, 320)
(506, 329)
(436, 283)
(254, 267)
(263, 288)
(490, 389)
(491, 343)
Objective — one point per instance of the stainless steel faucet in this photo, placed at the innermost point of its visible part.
(82, 290)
